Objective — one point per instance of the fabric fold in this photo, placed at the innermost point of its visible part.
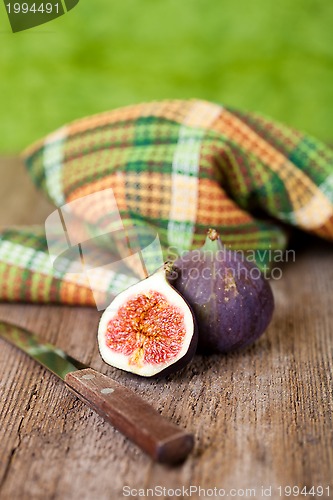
(177, 167)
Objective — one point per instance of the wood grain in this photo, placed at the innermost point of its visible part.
(261, 417)
(20, 201)
(162, 440)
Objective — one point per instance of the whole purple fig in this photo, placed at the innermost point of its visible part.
(232, 302)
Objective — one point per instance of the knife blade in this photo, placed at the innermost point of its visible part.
(164, 441)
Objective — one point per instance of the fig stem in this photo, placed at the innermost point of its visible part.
(168, 267)
(212, 242)
(212, 234)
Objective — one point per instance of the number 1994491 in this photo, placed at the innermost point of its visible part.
(24, 8)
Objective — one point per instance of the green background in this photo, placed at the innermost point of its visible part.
(275, 57)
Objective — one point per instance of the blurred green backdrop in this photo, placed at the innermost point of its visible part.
(275, 57)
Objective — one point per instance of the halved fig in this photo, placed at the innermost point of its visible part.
(148, 329)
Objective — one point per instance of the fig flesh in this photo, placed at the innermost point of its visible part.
(232, 302)
(148, 329)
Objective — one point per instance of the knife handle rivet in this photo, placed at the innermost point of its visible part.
(107, 390)
(88, 377)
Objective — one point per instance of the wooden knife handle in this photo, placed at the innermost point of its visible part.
(130, 414)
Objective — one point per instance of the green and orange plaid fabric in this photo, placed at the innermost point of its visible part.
(180, 167)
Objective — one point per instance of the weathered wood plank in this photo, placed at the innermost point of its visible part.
(260, 417)
(20, 201)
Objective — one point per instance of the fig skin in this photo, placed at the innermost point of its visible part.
(232, 302)
(154, 283)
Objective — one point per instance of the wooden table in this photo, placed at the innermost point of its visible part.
(262, 417)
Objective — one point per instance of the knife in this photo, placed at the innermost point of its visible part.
(164, 441)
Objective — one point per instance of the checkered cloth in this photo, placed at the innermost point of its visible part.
(179, 167)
